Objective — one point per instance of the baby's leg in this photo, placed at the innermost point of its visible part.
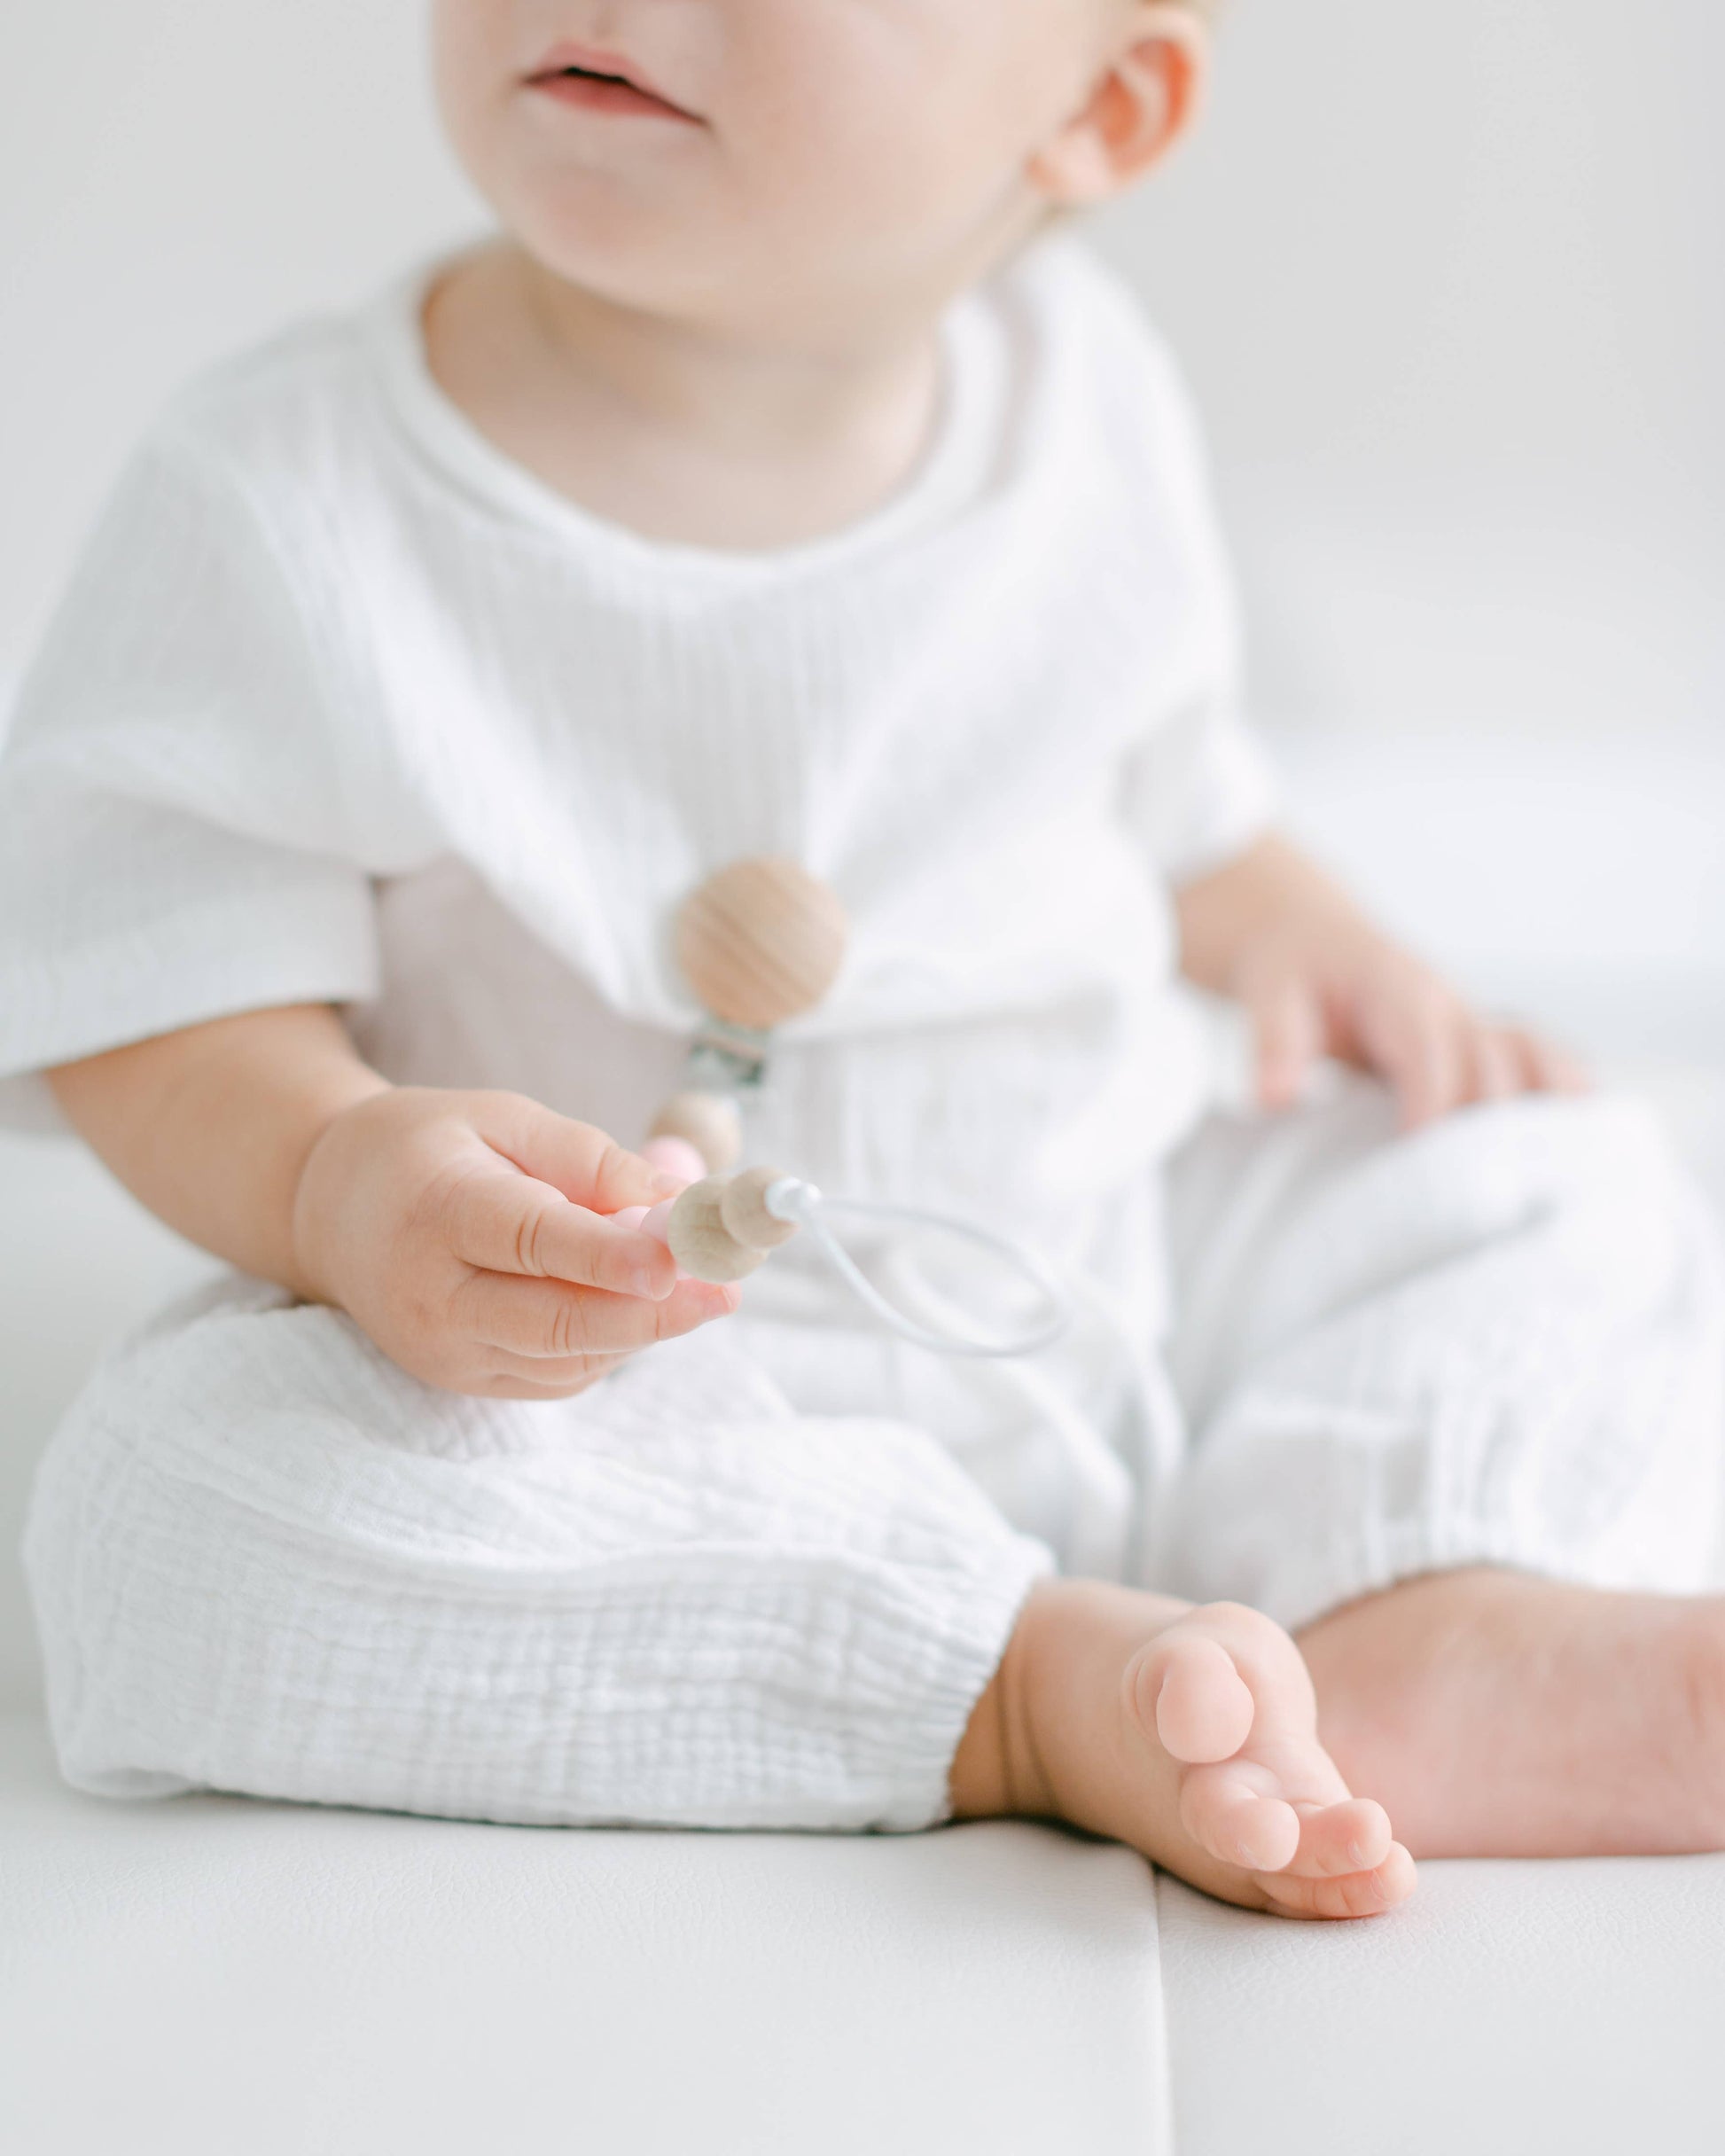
(265, 1560)
(1460, 1420)
(1506, 1716)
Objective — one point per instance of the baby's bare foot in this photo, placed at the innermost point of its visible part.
(1189, 1733)
(1505, 1715)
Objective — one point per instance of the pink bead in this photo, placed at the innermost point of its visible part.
(676, 1156)
(653, 1221)
(658, 1224)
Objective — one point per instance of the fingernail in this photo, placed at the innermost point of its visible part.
(657, 1225)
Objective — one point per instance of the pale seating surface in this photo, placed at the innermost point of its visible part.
(214, 1976)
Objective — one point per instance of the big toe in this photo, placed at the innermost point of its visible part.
(1186, 1688)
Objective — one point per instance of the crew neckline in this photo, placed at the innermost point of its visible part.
(952, 467)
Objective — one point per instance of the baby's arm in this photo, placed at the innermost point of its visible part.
(1318, 977)
(463, 1232)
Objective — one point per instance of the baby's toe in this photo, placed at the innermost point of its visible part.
(1237, 1822)
(1186, 1687)
(1337, 1840)
(1356, 1894)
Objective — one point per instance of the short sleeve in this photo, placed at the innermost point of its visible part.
(1199, 787)
(173, 841)
(1199, 791)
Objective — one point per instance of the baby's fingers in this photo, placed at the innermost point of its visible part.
(1508, 1061)
(1418, 1045)
(1500, 1071)
(551, 1324)
(1287, 1024)
(1550, 1069)
(506, 1223)
(577, 1158)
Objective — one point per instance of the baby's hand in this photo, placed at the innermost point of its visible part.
(466, 1233)
(1330, 984)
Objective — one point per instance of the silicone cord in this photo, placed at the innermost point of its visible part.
(791, 1199)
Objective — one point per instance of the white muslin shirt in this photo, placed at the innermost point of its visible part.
(344, 704)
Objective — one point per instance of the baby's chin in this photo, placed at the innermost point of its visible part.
(728, 284)
(649, 256)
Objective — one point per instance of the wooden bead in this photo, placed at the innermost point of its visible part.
(700, 1242)
(710, 1122)
(761, 941)
(743, 1210)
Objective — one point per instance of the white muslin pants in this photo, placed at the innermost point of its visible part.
(264, 1559)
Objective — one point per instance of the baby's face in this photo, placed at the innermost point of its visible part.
(782, 164)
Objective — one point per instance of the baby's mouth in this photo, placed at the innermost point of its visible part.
(602, 88)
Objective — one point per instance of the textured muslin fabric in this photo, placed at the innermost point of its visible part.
(1498, 1340)
(342, 705)
(264, 1558)
(328, 647)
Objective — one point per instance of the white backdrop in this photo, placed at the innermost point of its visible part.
(1448, 276)
(1448, 280)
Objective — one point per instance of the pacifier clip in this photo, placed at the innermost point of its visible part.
(761, 942)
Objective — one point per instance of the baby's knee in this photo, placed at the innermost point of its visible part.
(1609, 1159)
(207, 1467)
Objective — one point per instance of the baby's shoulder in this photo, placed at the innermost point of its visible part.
(1102, 392)
(283, 421)
(1098, 375)
(1086, 316)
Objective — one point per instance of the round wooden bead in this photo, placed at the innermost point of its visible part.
(743, 1210)
(699, 1240)
(710, 1122)
(761, 941)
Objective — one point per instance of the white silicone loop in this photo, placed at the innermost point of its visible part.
(791, 1199)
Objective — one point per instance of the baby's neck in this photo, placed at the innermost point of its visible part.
(679, 433)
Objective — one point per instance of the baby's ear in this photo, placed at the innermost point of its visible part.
(1141, 105)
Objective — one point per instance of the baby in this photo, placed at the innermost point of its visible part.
(774, 481)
